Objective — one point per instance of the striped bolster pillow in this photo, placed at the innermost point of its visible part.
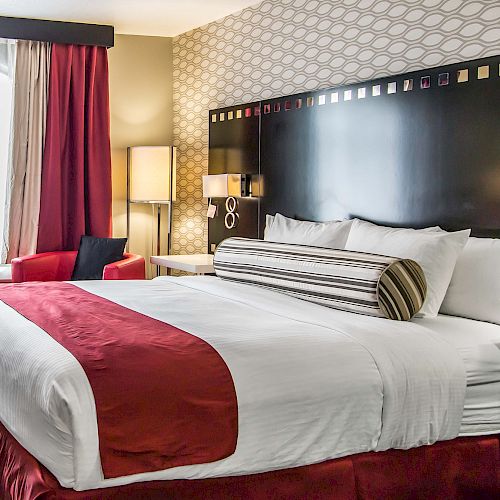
(351, 281)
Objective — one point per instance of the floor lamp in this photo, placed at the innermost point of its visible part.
(151, 179)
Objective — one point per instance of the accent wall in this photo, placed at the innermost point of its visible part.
(282, 47)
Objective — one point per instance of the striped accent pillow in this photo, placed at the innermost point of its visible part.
(351, 281)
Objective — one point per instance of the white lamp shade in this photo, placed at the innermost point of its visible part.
(221, 185)
(152, 171)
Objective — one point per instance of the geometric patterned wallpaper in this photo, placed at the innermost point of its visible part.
(282, 47)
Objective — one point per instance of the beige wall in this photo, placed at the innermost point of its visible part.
(140, 81)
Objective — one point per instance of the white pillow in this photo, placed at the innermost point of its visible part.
(269, 223)
(474, 291)
(281, 229)
(437, 253)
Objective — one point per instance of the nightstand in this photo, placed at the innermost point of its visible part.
(199, 263)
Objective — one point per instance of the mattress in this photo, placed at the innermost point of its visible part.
(478, 344)
(292, 362)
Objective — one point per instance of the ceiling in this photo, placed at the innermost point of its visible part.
(135, 17)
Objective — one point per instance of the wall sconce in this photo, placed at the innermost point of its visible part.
(230, 186)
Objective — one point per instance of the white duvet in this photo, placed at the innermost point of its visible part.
(312, 383)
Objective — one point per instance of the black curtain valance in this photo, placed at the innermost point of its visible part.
(57, 31)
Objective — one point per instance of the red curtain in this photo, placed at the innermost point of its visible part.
(76, 171)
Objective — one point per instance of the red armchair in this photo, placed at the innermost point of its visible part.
(58, 266)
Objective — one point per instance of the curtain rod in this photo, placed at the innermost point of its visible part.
(57, 31)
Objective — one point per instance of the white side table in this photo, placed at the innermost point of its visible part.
(199, 263)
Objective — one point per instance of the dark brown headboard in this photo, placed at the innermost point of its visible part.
(425, 156)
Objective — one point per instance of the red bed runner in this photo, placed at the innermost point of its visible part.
(164, 397)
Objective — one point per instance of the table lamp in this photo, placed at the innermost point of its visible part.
(229, 186)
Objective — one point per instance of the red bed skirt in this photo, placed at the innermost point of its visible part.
(465, 468)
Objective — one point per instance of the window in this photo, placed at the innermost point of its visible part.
(6, 70)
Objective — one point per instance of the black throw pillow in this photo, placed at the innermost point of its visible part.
(95, 253)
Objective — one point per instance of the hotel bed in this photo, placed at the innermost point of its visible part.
(264, 395)
(478, 345)
(312, 383)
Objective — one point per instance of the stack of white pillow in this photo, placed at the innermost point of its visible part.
(460, 270)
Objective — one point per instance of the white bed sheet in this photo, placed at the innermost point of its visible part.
(478, 344)
(311, 381)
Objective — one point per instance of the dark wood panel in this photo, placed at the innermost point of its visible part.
(417, 158)
(234, 149)
(56, 31)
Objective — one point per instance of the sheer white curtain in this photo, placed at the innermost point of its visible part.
(7, 65)
(27, 138)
